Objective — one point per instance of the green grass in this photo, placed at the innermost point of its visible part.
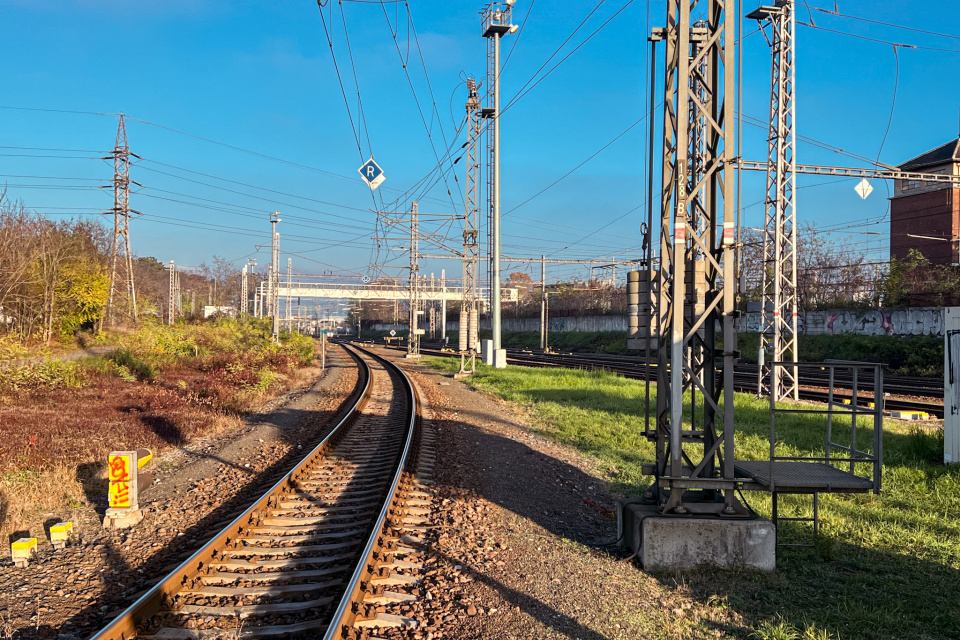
(888, 565)
(903, 355)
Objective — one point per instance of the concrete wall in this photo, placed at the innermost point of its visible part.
(918, 321)
(586, 323)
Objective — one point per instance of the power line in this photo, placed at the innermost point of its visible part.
(343, 90)
(885, 24)
(591, 157)
(524, 92)
(356, 82)
(895, 44)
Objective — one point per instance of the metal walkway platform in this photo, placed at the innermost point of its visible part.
(801, 477)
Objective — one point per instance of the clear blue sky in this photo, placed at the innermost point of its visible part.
(260, 76)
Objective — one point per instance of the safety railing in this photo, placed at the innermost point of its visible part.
(843, 449)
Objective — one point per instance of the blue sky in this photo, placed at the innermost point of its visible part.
(260, 76)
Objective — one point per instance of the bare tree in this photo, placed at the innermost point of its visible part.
(830, 272)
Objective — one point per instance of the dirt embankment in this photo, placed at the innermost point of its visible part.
(197, 489)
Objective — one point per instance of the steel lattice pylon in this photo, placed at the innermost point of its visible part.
(694, 469)
(121, 225)
(469, 314)
(778, 335)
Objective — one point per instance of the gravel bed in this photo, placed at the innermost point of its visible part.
(197, 490)
(521, 548)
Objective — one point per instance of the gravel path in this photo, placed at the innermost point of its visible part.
(518, 549)
(197, 490)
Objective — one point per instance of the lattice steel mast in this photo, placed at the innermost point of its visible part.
(121, 224)
(469, 314)
(694, 469)
(413, 342)
(778, 334)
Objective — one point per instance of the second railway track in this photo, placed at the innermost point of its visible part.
(323, 550)
(909, 394)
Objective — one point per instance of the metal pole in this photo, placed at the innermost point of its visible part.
(495, 249)
(648, 237)
(543, 302)
(443, 305)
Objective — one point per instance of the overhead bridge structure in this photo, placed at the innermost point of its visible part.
(379, 292)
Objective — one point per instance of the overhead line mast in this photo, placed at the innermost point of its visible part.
(469, 313)
(694, 472)
(778, 333)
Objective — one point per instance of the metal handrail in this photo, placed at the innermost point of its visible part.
(837, 409)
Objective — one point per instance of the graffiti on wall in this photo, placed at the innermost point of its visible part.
(921, 321)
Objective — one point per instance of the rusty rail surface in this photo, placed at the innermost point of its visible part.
(196, 574)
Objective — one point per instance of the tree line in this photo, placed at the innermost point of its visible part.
(55, 278)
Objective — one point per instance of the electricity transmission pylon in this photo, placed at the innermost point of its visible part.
(121, 226)
(694, 470)
(778, 334)
(469, 314)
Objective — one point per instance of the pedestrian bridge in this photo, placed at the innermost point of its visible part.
(380, 292)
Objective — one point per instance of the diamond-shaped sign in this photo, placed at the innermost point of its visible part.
(372, 174)
(863, 188)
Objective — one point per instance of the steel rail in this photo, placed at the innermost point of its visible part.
(345, 614)
(124, 626)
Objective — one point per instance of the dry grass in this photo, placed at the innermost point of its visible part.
(58, 421)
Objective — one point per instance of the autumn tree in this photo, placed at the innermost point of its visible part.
(830, 272)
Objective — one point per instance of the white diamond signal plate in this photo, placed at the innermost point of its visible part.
(863, 188)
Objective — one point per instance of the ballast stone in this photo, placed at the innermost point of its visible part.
(689, 543)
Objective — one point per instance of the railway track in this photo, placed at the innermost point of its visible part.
(923, 394)
(329, 549)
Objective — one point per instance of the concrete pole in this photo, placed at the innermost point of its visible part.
(443, 305)
(495, 279)
(275, 275)
(171, 308)
(546, 323)
(543, 302)
(243, 290)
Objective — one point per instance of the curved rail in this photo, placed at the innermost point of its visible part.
(346, 612)
(192, 571)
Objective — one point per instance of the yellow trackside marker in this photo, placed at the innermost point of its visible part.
(121, 468)
(22, 550)
(60, 534)
(123, 494)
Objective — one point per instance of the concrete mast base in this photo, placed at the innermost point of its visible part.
(674, 543)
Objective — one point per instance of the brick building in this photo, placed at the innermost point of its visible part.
(926, 215)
